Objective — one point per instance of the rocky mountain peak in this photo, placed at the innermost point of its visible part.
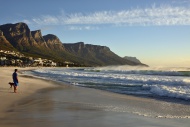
(98, 47)
(36, 34)
(50, 37)
(19, 29)
(80, 45)
(19, 35)
(15, 29)
(53, 42)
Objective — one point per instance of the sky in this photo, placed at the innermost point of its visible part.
(157, 32)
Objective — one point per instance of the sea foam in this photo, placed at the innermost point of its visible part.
(162, 82)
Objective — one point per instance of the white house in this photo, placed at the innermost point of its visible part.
(3, 58)
(53, 64)
(38, 61)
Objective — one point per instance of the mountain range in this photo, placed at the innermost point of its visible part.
(18, 37)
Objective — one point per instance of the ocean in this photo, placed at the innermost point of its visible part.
(152, 82)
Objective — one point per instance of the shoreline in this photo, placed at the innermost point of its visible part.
(27, 87)
(46, 97)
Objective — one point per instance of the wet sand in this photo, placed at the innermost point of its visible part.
(51, 104)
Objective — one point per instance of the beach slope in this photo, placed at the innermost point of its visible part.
(27, 86)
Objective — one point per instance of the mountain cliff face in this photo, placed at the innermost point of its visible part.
(134, 59)
(94, 53)
(19, 37)
(4, 44)
(53, 42)
(37, 35)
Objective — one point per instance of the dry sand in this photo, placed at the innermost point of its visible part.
(27, 86)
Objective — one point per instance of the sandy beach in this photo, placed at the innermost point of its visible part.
(51, 104)
(27, 87)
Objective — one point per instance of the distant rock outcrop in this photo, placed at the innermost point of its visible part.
(134, 59)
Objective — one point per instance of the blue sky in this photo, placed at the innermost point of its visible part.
(155, 31)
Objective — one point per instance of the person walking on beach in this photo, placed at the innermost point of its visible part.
(15, 80)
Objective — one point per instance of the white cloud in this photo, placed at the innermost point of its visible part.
(82, 28)
(181, 1)
(46, 20)
(163, 15)
(149, 16)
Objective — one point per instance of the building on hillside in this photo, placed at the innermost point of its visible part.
(3, 61)
(49, 63)
(38, 62)
(53, 64)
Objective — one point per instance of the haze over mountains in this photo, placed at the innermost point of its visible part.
(18, 37)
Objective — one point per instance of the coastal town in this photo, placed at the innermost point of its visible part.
(13, 58)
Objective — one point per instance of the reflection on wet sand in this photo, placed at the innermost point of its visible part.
(83, 107)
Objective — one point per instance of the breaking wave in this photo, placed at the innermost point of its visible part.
(161, 82)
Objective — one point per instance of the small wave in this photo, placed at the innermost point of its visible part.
(180, 92)
(136, 82)
(162, 71)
